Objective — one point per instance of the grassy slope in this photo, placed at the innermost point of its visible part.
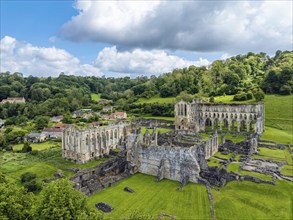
(96, 96)
(152, 198)
(162, 130)
(158, 117)
(247, 200)
(156, 98)
(272, 154)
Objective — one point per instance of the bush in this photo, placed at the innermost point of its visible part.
(258, 95)
(27, 177)
(26, 147)
(32, 186)
(285, 90)
(240, 97)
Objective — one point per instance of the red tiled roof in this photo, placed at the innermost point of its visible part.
(52, 130)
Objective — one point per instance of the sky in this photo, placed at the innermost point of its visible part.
(136, 38)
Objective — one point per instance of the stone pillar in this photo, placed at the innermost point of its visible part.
(238, 126)
(220, 125)
(247, 126)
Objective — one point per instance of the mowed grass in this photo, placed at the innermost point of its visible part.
(248, 200)
(156, 98)
(271, 154)
(279, 136)
(37, 146)
(223, 156)
(279, 112)
(233, 167)
(255, 174)
(153, 198)
(45, 163)
(95, 96)
(234, 138)
(287, 170)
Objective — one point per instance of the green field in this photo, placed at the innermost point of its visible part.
(233, 167)
(45, 163)
(157, 117)
(229, 99)
(156, 98)
(247, 200)
(279, 136)
(271, 154)
(214, 162)
(95, 96)
(37, 146)
(259, 175)
(153, 198)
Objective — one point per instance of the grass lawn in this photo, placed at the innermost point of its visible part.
(156, 98)
(271, 154)
(157, 117)
(259, 175)
(247, 200)
(214, 162)
(235, 138)
(153, 198)
(223, 156)
(45, 163)
(229, 99)
(287, 170)
(37, 146)
(279, 112)
(162, 130)
(233, 167)
(279, 136)
(96, 96)
(237, 158)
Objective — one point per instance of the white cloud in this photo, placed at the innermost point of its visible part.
(220, 26)
(142, 62)
(23, 57)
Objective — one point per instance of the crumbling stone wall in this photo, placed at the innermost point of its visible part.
(197, 115)
(95, 179)
(84, 145)
(182, 164)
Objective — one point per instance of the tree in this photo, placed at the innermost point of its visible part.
(41, 122)
(258, 95)
(15, 202)
(59, 200)
(26, 147)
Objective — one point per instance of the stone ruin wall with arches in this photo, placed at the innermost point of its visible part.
(82, 146)
(197, 115)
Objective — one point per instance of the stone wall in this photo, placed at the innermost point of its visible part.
(197, 115)
(95, 179)
(181, 164)
(87, 144)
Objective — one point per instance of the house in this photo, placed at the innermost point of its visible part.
(52, 132)
(96, 124)
(57, 118)
(101, 101)
(105, 117)
(2, 123)
(87, 116)
(118, 115)
(36, 137)
(14, 100)
(107, 108)
(62, 126)
(77, 114)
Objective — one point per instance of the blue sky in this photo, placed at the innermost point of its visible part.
(136, 38)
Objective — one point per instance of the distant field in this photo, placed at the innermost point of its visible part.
(153, 198)
(156, 98)
(157, 117)
(229, 99)
(247, 200)
(96, 96)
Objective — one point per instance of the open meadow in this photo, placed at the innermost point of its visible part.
(152, 198)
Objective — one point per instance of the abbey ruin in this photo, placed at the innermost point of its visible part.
(180, 154)
(197, 115)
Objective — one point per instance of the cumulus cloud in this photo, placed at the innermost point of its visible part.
(204, 26)
(17, 56)
(142, 62)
